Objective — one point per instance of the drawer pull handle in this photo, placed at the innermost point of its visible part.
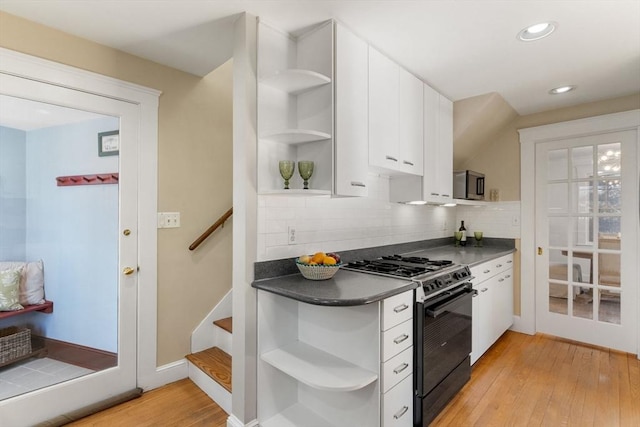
(509, 262)
(357, 184)
(486, 272)
(446, 195)
(435, 194)
(401, 412)
(484, 289)
(401, 338)
(499, 265)
(406, 162)
(500, 280)
(393, 159)
(401, 368)
(507, 276)
(400, 308)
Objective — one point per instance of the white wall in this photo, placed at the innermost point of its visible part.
(325, 224)
(12, 194)
(75, 231)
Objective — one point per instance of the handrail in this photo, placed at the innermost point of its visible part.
(210, 230)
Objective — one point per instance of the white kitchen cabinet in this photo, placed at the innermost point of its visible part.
(493, 304)
(384, 89)
(322, 365)
(351, 113)
(395, 117)
(410, 131)
(436, 183)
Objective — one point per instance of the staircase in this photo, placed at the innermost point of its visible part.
(210, 369)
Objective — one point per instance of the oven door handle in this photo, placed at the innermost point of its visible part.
(437, 310)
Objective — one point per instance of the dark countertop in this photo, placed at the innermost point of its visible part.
(349, 288)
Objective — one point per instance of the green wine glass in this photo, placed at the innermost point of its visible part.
(305, 167)
(478, 236)
(458, 237)
(286, 171)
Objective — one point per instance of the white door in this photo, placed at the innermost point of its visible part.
(51, 401)
(586, 233)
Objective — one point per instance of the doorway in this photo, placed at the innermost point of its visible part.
(586, 212)
(132, 245)
(580, 230)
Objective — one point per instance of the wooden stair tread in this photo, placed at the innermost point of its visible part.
(226, 324)
(215, 363)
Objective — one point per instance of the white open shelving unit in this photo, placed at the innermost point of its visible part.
(295, 107)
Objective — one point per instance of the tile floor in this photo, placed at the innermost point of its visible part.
(33, 374)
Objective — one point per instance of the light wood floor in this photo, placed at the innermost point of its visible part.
(521, 381)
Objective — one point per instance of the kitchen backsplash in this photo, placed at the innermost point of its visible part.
(338, 224)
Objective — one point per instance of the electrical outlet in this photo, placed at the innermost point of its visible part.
(291, 236)
(515, 221)
(168, 219)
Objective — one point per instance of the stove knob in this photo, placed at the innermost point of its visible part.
(438, 283)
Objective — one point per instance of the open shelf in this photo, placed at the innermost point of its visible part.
(295, 136)
(295, 192)
(46, 307)
(295, 416)
(318, 369)
(295, 81)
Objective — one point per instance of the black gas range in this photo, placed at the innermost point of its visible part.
(442, 326)
(434, 275)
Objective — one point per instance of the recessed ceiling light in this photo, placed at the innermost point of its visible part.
(537, 31)
(561, 90)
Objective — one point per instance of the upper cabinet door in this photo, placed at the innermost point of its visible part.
(410, 132)
(431, 190)
(351, 110)
(445, 147)
(383, 111)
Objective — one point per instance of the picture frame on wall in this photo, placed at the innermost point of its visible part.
(109, 143)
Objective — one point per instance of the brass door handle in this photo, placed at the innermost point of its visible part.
(128, 271)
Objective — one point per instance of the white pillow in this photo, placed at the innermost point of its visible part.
(9, 284)
(32, 280)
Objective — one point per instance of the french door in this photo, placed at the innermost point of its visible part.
(586, 198)
(121, 259)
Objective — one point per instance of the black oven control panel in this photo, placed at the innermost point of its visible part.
(437, 284)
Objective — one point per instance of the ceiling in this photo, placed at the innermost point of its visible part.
(461, 48)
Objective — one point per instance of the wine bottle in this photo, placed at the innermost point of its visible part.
(463, 240)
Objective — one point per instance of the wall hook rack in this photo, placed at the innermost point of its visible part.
(96, 179)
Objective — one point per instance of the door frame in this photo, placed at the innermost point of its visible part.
(147, 100)
(529, 137)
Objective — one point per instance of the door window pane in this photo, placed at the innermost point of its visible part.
(609, 200)
(609, 269)
(609, 236)
(582, 162)
(557, 164)
(583, 231)
(558, 298)
(558, 227)
(609, 156)
(582, 303)
(558, 264)
(582, 197)
(557, 199)
(609, 306)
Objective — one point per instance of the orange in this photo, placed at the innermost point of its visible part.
(329, 261)
(318, 257)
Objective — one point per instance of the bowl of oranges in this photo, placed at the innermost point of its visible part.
(319, 266)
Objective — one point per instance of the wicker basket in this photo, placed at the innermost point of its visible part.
(14, 343)
(317, 272)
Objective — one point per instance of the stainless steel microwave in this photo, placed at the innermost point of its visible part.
(468, 185)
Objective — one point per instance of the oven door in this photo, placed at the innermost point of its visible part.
(443, 336)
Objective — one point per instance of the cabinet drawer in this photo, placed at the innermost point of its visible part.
(396, 369)
(396, 310)
(489, 269)
(397, 339)
(397, 405)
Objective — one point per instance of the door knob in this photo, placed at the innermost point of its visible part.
(128, 271)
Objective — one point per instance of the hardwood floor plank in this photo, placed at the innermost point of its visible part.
(630, 393)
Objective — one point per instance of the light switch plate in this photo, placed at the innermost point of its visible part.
(168, 219)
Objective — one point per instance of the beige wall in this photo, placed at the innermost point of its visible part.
(195, 166)
(499, 155)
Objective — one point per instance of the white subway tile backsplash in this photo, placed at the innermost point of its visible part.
(339, 224)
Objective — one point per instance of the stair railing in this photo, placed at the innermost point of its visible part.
(219, 223)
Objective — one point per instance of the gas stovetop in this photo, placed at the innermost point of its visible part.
(435, 276)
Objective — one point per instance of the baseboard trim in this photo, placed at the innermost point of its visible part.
(233, 421)
(78, 355)
(165, 374)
